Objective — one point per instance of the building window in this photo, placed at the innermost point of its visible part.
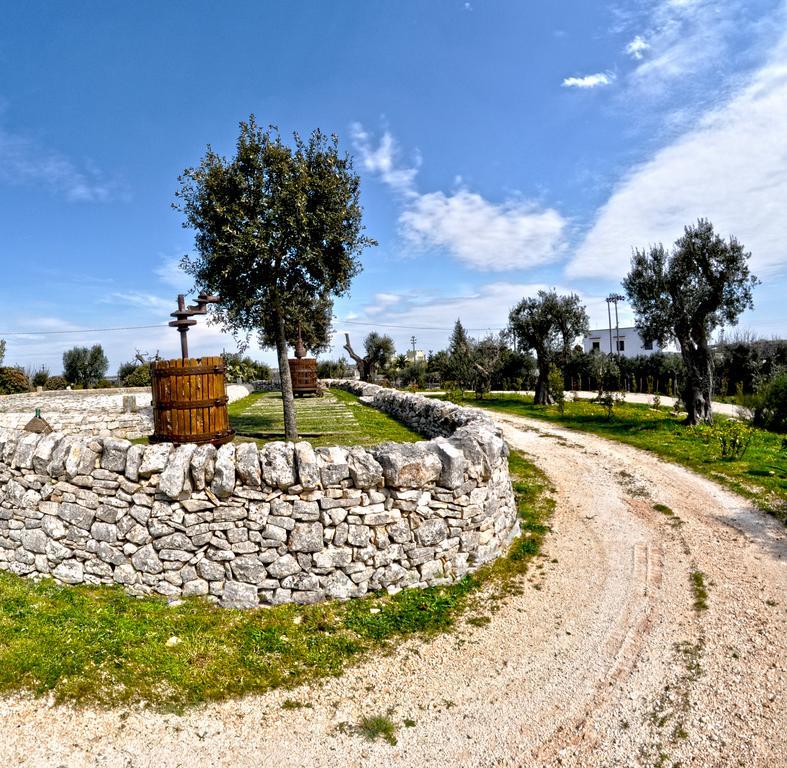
(621, 345)
(596, 346)
(647, 345)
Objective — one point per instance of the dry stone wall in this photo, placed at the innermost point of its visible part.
(244, 526)
(125, 412)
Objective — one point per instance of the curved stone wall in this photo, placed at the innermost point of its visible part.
(101, 412)
(283, 523)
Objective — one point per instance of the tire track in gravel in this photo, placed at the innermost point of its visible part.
(601, 661)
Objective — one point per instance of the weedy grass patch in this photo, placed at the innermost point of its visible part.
(98, 645)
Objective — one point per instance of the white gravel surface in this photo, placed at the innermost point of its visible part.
(602, 661)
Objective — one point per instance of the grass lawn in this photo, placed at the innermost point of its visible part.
(336, 418)
(98, 645)
(760, 475)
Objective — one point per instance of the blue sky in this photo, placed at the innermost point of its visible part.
(503, 147)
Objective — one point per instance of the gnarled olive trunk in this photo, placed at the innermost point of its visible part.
(543, 395)
(288, 400)
(698, 385)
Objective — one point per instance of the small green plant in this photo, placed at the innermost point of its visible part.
(378, 727)
(700, 591)
(664, 509)
(734, 437)
(408, 722)
(555, 383)
(656, 401)
(294, 704)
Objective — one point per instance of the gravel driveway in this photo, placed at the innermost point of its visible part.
(602, 661)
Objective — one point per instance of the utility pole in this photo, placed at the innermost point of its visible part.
(616, 297)
(412, 341)
(609, 317)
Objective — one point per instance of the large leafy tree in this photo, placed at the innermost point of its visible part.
(278, 236)
(85, 366)
(704, 282)
(547, 325)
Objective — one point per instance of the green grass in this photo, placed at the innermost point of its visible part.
(761, 475)
(98, 645)
(378, 727)
(337, 418)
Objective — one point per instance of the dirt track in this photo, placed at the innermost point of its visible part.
(603, 661)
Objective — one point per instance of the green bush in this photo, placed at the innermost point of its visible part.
(139, 377)
(770, 410)
(13, 380)
(40, 377)
(103, 384)
(55, 382)
(556, 384)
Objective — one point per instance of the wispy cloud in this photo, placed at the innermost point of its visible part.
(170, 273)
(731, 168)
(485, 235)
(588, 81)
(383, 160)
(25, 162)
(636, 48)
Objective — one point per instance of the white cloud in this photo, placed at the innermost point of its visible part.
(588, 81)
(24, 162)
(484, 235)
(382, 160)
(730, 168)
(637, 47)
(514, 234)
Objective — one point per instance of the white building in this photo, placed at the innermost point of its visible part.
(626, 341)
(417, 356)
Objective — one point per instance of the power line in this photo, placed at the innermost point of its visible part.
(81, 330)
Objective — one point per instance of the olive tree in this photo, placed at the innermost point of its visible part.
(379, 351)
(85, 366)
(278, 236)
(684, 294)
(547, 325)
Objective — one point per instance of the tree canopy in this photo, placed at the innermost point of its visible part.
(278, 236)
(85, 366)
(547, 325)
(685, 294)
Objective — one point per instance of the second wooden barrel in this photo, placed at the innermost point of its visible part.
(303, 372)
(190, 401)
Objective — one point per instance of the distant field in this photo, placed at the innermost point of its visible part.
(336, 418)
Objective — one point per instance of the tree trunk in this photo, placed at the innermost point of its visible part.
(365, 368)
(698, 386)
(543, 396)
(288, 400)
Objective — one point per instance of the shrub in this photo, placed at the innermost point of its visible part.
(55, 382)
(556, 384)
(139, 377)
(40, 377)
(103, 384)
(13, 380)
(770, 410)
